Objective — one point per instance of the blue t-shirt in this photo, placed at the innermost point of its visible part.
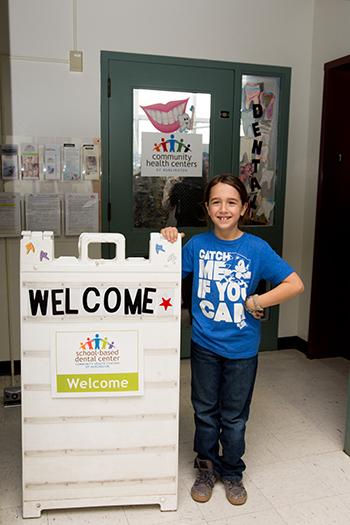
(225, 273)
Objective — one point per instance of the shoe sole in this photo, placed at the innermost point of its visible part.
(200, 499)
(238, 501)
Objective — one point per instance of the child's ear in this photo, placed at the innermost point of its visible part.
(244, 209)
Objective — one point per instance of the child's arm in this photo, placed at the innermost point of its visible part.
(288, 288)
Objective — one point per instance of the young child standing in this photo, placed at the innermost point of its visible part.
(227, 265)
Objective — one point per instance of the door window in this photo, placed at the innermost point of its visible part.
(222, 96)
(171, 138)
(258, 146)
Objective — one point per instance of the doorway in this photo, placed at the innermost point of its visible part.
(141, 97)
(328, 307)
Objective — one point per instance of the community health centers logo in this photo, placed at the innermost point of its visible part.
(176, 154)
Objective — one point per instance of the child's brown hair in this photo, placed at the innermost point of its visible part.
(231, 180)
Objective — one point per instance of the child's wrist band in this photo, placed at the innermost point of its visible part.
(257, 307)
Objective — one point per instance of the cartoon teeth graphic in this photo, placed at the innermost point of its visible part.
(165, 117)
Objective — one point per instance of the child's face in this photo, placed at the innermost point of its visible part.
(225, 209)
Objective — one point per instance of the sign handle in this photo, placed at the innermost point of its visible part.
(113, 238)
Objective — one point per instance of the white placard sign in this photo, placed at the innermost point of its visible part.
(100, 349)
(96, 363)
(171, 155)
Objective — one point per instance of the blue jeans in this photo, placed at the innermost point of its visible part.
(222, 390)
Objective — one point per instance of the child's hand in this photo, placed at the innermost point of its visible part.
(170, 233)
(257, 315)
(253, 307)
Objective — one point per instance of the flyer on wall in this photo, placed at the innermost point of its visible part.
(81, 213)
(9, 161)
(71, 162)
(30, 162)
(52, 161)
(43, 212)
(90, 162)
(10, 214)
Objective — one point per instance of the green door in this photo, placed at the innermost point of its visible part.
(132, 85)
(169, 124)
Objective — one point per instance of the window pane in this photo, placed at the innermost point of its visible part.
(170, 157)
(258, 146)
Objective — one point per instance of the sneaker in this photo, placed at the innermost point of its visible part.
(205, 478)
(235, 491)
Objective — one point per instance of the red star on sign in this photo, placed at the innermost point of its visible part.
(166, 303)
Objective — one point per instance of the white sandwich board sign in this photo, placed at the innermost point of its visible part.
(100, 347)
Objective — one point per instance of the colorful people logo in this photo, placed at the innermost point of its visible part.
(97, 343)
(171, 145)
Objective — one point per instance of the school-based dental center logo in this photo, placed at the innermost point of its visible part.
(105, 362)
(223, 281)
(97, 351)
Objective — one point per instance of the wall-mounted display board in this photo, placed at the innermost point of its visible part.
(100, 374)
(49, 184)
(59, 160)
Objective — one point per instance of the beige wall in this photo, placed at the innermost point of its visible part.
(47, 100)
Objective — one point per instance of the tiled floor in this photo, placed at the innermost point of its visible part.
(296, 471)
